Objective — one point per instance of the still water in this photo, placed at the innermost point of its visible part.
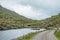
(10, 34)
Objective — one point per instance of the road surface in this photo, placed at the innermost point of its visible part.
(47, 35)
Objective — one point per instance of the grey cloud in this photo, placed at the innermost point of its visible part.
(49, 6)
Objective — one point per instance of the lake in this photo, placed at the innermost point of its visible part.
(14, 33)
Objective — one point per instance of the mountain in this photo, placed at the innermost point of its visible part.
(9, 19)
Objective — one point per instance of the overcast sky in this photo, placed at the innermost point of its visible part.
(35, 9)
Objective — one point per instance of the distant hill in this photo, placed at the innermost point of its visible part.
(53, 21)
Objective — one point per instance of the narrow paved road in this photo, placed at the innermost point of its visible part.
(47, 35)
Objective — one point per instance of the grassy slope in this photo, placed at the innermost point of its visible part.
(57, 34)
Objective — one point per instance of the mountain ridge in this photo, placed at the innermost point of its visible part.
(11, 20)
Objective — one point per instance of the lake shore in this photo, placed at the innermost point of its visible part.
(20, 28)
